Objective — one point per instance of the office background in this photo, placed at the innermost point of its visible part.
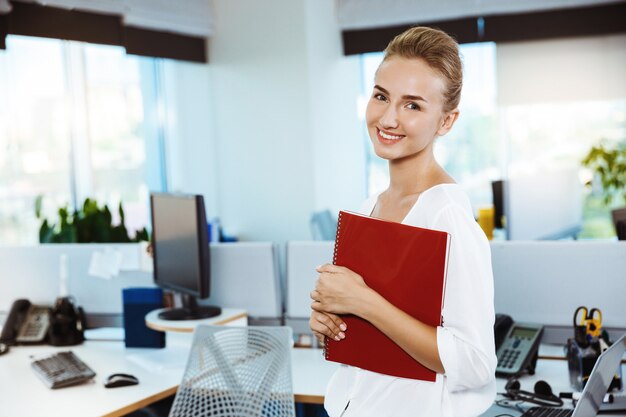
(270, 130)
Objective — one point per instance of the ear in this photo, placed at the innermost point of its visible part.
(447, 122)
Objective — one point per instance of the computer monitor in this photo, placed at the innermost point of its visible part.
(181, 257)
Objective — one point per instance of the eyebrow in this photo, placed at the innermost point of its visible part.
(405, 97)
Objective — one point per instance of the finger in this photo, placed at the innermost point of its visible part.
(320, 328)
(317, 306)
(325, 324)
(330, 268)
(315, 295)
(338, 321)
(320, 338)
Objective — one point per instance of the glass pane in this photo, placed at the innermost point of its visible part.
(116, 117)
(34, 135)
(470, 151)
(552, 138)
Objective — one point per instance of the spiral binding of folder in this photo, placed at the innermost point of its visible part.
(325, 347)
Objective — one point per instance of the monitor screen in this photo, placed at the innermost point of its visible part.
(181, 250)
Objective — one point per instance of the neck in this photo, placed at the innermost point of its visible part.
(414, 175)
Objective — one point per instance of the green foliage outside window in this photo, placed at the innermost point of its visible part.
(609, 163)
(90, 224)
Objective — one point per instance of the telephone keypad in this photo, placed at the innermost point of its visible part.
(37, 323)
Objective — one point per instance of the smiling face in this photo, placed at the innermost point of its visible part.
(405, 112)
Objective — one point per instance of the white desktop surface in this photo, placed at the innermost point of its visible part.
(23, 394)
(160, 371)
(310, 374)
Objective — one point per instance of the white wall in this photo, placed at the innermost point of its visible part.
(336, 132)
(260, 97)
(189, 131)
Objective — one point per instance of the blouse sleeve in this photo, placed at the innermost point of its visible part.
(466, 340)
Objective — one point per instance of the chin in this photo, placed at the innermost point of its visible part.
(385, 154)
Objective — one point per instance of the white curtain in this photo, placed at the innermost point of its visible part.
(187, 17)
(561, 70)
(363, 14)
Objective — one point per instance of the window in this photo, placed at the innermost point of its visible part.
(74, 123)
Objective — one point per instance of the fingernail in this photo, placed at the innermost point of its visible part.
(337, 338)
(318, 267)
(343, 327)
(342, 335)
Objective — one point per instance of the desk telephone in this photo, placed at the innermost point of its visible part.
(60, 325)
(517, 346)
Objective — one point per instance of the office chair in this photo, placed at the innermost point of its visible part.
(237, 372)
(323, 225)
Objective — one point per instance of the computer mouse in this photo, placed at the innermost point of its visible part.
(4, 348)
(120, 380)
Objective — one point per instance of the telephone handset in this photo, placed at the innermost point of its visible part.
(517, 346)
(26, 323)
(60, 325)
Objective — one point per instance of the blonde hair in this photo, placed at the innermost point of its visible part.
(439, 50)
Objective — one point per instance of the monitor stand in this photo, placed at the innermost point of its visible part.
(190, 310)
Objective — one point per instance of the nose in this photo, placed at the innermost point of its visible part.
(389, 119)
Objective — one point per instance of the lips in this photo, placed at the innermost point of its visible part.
(388, 138)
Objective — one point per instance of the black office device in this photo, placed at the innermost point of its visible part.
(120, 380)
(591, 399)
(619, 221)
(62, 369)
(180, 245)
(26, 323)
(517, 346)
(498, 190)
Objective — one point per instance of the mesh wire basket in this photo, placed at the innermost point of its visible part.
(237, 372)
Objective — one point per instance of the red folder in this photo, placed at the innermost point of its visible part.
(407, 266)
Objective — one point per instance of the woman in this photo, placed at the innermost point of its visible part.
(415, 100)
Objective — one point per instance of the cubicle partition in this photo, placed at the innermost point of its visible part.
(544, 282)
(34, 272)
(534, 281)
(302, 258)
(245, 275)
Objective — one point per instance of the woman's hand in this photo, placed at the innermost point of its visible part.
(326, 325)
(338, 290)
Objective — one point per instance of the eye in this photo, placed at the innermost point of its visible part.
(379, 97)
(412, 106)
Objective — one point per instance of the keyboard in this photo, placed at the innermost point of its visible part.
(547, 412)
(62, 369)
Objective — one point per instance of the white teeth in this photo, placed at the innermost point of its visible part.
(390, 137)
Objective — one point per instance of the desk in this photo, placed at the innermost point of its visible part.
(23, 394)
(159, 371)
(552, 371)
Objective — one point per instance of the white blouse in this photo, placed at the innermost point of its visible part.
(465, 340)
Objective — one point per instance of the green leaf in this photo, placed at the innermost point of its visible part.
(38, 204)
